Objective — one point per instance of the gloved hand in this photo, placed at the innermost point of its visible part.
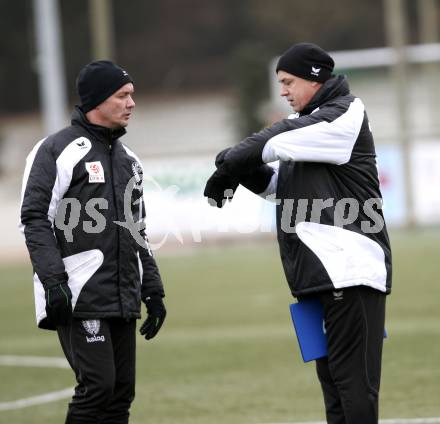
(58, 300)
(220, 158)
(156, 316)
(219, 188)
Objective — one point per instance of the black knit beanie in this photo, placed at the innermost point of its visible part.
(99, 80)
(308, 61)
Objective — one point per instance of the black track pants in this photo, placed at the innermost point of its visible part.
(102, 355)
(350, 375)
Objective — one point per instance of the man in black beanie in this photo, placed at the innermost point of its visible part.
(87, 243)
(332, 236)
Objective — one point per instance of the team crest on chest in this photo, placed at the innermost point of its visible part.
(96, 172)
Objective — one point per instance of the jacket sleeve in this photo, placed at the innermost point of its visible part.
(262, 181)
(327, 135)
(36, 219)
(151, 279)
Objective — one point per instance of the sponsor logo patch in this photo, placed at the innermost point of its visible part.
(138, 174)
(96, 172)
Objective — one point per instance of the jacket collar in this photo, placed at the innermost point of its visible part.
(103, 134)
(333, 87)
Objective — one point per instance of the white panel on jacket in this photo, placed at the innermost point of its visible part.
(67, 160)
(27, 170)
(271, 188)
(350, 259)
(79, 268)
(330, 142)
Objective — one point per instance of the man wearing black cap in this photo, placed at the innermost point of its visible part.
(331, 233)
(82, 215)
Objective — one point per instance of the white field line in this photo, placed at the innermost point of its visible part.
(33, 361)
(431, 420)
(36, 400)
(56, 362)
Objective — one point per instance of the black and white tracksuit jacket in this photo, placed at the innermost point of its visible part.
(330, 226)
(82, 212)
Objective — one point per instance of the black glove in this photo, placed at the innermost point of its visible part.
(256, 181)
(156, 316)
(220, 158)
(58, 300)
(219, 188)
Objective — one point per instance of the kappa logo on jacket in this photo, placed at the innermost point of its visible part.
(83, 143)
(92, 326)
(96, 172)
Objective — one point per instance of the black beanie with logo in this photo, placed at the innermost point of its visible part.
(307, 61)
(97, 81)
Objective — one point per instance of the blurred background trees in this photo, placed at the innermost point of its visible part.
(173, 46)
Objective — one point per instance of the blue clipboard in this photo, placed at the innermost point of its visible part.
(308, 321)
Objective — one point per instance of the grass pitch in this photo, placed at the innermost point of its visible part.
(227, 352)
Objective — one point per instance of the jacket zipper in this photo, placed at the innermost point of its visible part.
(118, 247)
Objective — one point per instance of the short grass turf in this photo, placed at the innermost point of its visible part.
(228, 353)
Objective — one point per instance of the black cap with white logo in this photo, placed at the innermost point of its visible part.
(99, 80)
(308, 61)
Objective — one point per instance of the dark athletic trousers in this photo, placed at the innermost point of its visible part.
(350, 375)
(101, 352)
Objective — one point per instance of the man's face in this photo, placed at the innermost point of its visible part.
(115, 111)
(296, 90)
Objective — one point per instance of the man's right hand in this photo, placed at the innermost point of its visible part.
(219, 188)
(58, 300)
(220, 158)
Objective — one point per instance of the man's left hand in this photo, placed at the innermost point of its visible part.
(156, 316)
